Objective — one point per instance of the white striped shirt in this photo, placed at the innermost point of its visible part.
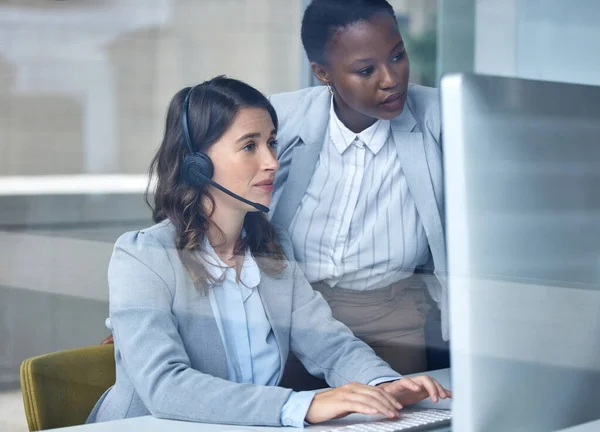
(357, 227)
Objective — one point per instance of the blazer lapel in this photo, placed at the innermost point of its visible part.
(413, 159)
(277, 301)
(304, 160)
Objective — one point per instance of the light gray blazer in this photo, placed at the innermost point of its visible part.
(303, 121)
(170, 359)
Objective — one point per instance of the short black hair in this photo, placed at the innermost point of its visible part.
(322, 18)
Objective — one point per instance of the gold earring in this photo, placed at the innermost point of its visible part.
(329, 89)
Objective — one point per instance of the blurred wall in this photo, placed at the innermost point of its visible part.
(84, 86)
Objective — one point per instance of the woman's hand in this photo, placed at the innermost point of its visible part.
(352, 398)
(408, 391)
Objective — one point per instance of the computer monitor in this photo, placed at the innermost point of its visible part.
(522, 180)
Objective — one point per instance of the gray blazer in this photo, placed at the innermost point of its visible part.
(170, 359)
(303, 120)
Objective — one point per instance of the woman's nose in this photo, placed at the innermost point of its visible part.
(270, 162)
(389, 79)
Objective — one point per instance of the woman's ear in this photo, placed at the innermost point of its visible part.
(320, 73)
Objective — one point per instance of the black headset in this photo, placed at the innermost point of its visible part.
(197, 169)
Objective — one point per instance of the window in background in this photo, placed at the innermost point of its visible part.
(456, 36)
(417, 22)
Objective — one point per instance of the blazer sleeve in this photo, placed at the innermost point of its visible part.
(324, 345)
(147, 342)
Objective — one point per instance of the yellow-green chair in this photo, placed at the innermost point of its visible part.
(60, 389)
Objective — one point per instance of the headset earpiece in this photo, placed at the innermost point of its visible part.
(197, 169)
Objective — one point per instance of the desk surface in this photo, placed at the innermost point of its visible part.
(153, 424)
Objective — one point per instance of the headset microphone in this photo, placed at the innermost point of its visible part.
(197, 168)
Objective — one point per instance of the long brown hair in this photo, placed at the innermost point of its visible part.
(211, 111)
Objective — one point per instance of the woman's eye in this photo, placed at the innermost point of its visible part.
(366, 71)
(273, 143)
(249, 147)
(398, 57)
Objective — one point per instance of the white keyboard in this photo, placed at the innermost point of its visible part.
(410, 420)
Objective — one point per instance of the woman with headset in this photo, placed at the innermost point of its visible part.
(206, 304)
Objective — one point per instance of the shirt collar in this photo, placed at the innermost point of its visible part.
(374, 137)
(249, 274)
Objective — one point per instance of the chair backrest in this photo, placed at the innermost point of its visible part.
(60, 389)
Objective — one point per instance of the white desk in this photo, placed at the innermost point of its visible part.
(153, 424)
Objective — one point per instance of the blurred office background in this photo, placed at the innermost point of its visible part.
(84, 86)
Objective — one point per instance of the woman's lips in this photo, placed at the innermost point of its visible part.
(393, 102)
(266, 185)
